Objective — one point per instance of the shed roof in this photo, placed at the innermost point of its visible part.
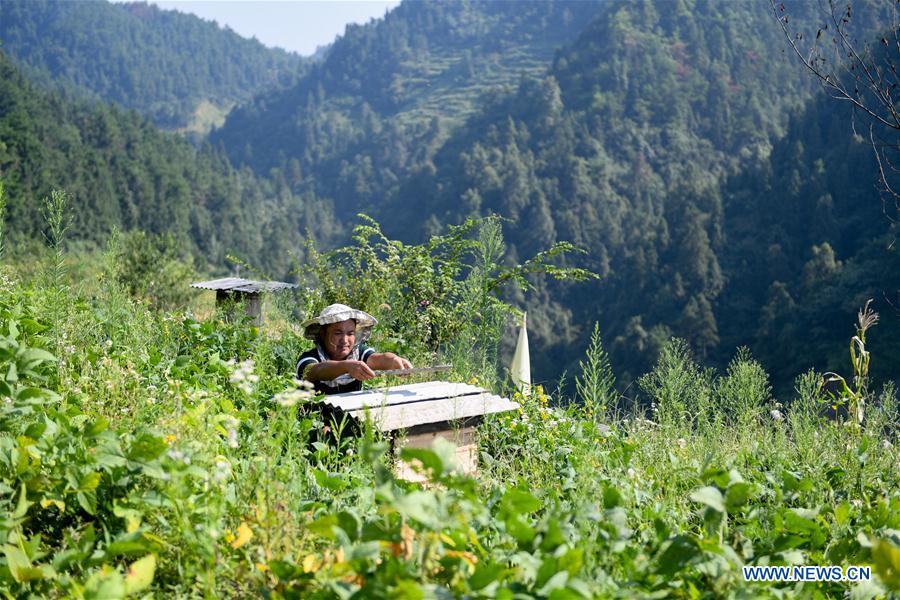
(237, 284)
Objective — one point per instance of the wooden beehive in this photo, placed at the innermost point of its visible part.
(415, 414)
(234, 291)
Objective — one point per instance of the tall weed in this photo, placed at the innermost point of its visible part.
(679, 390)
(596, 385)
(744, 393)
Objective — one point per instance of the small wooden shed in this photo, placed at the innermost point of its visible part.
(231, 291)
(418, 413)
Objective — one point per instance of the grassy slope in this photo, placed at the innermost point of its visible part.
(209, 468)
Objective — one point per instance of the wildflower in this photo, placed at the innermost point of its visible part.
(232, 438)
(178, 456)
(243, 376)
(222, 470)
(631, 473)
(349, 452)
(108, 343)
(681, 442)
(289, 398)
(302, 383)
(886, 444)
(776, 414)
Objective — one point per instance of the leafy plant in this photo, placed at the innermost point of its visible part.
(596, 385)
(855, 398)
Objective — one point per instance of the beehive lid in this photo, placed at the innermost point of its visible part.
(247, 286)
(419, 404)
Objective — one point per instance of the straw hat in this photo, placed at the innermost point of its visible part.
(336, 313)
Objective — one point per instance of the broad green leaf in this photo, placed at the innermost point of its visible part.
(132, 544)
(22, 505)
(710, 496)
(105, 584)
(140, 574)
(485, 574)
(146, 447)
(350, 523)
(886, 557)
(517, 527)
(32, 327)
(32, 394)
(557, 582)
(328, 481)
(421, 507)
(87, 501)
(19, 565)
(842, 512)
(520, 501)
(429, 460)
(89, 482)
(324, 526)
(611, 497)
(407, 589)
(737, 495)
(677, 553)
(285, 571)
(35, 356)
(97, 427)
(36, 430)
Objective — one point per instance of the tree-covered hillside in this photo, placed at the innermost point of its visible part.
(809, 240)
(620, 148)
(621, 145)
(123, 173)
(388, 91)
(176, 68)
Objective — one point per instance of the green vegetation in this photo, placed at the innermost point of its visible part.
(165, 64)
(149, 452)
(715, 195)
(121, 173)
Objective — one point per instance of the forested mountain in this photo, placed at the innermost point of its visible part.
(623, 148)
(122, 172)
(176, 68)
(623, 145)
(809, 240)
(388, 92)
(620, 148)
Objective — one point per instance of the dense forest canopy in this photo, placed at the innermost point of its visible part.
(123, 173)
(171, 66)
